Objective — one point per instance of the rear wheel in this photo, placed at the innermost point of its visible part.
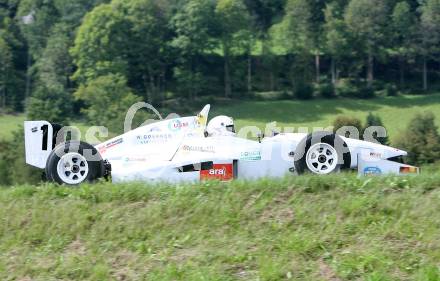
(322, 153)
(73, 163)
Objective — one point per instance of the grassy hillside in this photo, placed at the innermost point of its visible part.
(394, 111)
(304, 228)
(9, 124)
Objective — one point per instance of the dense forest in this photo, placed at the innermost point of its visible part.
(61, 57)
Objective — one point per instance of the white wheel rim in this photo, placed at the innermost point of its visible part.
(72, 168)
(322, 158)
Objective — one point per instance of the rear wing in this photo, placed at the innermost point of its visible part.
(40, 140)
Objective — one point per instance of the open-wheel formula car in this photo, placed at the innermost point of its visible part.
(191, 149)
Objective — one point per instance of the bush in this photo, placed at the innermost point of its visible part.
(365, 93)
(346, 88)
(354, 89)
(108, 99)
(421, 139)
(374, 120)
(391, 90)
(13, 167)
(303, 91)
(48, 104)
(326, 90)
(346, 121)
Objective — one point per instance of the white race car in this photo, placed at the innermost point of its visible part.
(190, 149)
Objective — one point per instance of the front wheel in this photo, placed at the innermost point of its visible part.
(73, 162)
(322, 153)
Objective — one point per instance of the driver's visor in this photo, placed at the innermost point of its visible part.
(230, 128)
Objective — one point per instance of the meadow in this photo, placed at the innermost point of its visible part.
(338, 227)
(299, 228)
(395, 112)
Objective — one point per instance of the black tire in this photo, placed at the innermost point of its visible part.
(95, 164)
(322, 137)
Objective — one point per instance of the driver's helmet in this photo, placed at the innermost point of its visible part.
(221, 126)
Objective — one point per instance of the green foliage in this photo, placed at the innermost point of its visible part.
(391, 90)
(326, 90)
(421, 139)
(199, 48)
(375, 120)
(335, 31)
(146, 50)
(195, 29)
(365, 92)
(302, 90)
(108, 99)
(403, 27)
(234, 34)
(298, 37)
(13, 167)
(430, 27)
(367, 20)
(103, 26)
(52, 99)
(346, 121)
(299, 227)
(6, 68)
(346, 88)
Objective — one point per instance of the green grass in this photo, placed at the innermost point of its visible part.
(396, 112)
(9, 124)
(298, 228)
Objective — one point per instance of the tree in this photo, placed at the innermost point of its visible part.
(421, 139)
(52, 99)
(317, 20)
(100, 44)
(6, 69)
(13, 167)
(367, 20)
(107, 99)
(148, 52)
(195, 29)
(430, 34)
(403, 31)
(374, 120)
(336, 40)
(347, 121)
(264, 14)
(298, 38)
(233, 19)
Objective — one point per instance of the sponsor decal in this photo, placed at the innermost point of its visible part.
(222, 172)
(155, 129)
(250, 155)
(177, 125)
(195, 148)
(409, 170)
(372, 171)
(109, 145)
(135, 159)
(154, 138)
(375, 154)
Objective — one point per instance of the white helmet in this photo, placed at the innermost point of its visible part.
(221, 126)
